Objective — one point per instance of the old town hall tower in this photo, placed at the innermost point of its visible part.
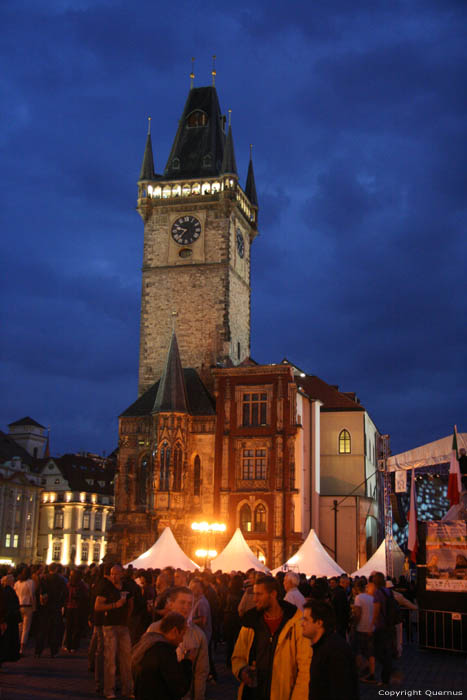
(198, 228)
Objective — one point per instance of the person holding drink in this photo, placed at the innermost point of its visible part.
(115, 601)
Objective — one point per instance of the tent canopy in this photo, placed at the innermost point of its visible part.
(378, 561)
(237, 556)
(312, 559)
(431, 454)
(164, 552)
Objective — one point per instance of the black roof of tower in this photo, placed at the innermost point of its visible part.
(228, 163)
(147, 168)
(171, 393)
(198, 151)
(250, 187)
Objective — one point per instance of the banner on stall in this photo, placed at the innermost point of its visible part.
(446, 556)
(401, 481)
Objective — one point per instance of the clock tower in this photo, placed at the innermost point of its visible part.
(199, 225)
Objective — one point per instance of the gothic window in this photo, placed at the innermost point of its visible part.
(141, 481)
(56, 551)
(84, 551)
(260, 518)
(164, 467)
(245, 518)
(344, 442)
(98, 521)
(197, 118)
(255, 409)
(58, 518)
(292, 475)
(197, 477)
(178, 460)
(86, 519)
(254, 464)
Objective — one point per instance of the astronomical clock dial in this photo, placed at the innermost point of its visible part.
(240, 243)
(186, 230)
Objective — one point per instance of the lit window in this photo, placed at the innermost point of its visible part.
(56, 551)
(245, 518)
(260, 518)
(96, 552)
(216, 186)
(86, 520)
(15, 540)
(98, 521)
(344, 442)
(206, 188)
(84, 551)
(197, 118)
(7, 540)
(186, 190)
(254, 464)
(255, 409)
(58, 518)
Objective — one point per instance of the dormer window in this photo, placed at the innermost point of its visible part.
(207, 160)
(176, 163)
(197, 118)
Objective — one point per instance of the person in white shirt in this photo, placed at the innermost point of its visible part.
(293, 595)
(25, 589)
(362, 612)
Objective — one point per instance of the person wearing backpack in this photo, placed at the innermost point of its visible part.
(384, 618)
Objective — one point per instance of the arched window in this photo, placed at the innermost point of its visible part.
(178, 459)
(197, 477)
(197, 118)
(164, 467)
(344, 442)
(245, 518)
(141, 481)
(260, 518)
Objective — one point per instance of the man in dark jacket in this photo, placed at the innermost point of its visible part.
(158, 674)
(52, 599)
(340, 603)
(333, 670)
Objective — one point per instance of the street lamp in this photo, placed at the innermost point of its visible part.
(210, 530)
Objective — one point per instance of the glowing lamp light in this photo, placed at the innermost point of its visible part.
(206, 553)
(206, 527)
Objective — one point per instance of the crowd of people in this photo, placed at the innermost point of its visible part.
(157, 633)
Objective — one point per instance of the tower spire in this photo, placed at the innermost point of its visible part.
(250, 187)
(147, 168)
(229, 164)
(171, 393)
(192, 74)
(213, 72)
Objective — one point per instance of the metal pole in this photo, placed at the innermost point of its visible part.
(335, 529)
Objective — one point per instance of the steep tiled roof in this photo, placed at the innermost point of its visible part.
(77, 470)
(200, 402)
(26, 421)
(147, 168)
(331, 397)
(9, 448)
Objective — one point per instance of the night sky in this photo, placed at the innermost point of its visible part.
(357, 113)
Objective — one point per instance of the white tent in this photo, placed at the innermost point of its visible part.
(237, 556)
(378, 561)
(164, 552)
(312, 559)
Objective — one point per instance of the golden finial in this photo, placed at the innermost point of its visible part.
(174, 320)
(251, 151)
(192, 74)
(213, 72)
(149, 125)
(230, 117)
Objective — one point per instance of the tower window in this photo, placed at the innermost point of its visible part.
(245, 518)
(238, 351)
(260, 518)
(197, 118)
(344, 442)
(197, 476)
(254, 464)
(255, 409)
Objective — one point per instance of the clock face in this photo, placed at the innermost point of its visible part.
(240, 243)
(186, 230)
